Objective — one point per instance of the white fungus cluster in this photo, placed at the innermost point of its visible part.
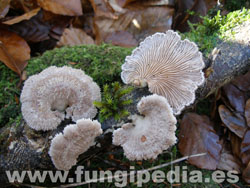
(58, 93)
(169, 66)
(75, 140)
(148, 135)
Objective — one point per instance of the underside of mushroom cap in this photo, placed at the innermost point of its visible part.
(148, 136)
(58, 93)
(171, 67)
(75, 140)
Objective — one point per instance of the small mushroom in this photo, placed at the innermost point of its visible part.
(148, 135)
(58, 93)
(169, 66)
(75, 140)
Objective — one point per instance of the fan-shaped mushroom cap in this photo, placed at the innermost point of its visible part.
(169, 66)
(75, 140)
(148, 136)
(48, 95)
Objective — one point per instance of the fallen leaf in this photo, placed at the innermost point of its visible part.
(25, 16)
(87, 7)
(121, 38)
(245, 148)
(227, 161)
(235, 144)
(104, 26)
(247, 112)
(232, 122)
(14, 51)
(149, 20)
(102, 9)
(243, 82)
(197, 135)
(138, 21)
(116, 7)
(45, 26)
(24, 5)
(246, 173)
(56, 22)
(235, 97)
(4, 8)
(158, 2)
(33, 30)
(123, 3)
(65, 7)
(74, 36)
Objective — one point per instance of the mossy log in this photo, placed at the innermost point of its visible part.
(25, 149)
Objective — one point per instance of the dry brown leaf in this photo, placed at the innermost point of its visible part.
(24, 5)
(245, 148)
(235, 144)
(65, 7)
(197, 135)
(158, 3)
(14, 51)
(87, 7)
(243, 82)
(116, 7)
(235, 97)
(121, 38)
(102, 9)
(150, 20)
(123, 3)
(234, 123)
(228, 162)
(33, 30)
(42, 27)
(74, 36)
(246, 173)
(25, 16)
(247, 112)
(139, 21)
(4, 8)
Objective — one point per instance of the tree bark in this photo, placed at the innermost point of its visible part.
(28, 149)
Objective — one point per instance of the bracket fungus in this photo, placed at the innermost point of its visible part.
(75, 140)
(58, 93)
(150, 134)
(169, 66)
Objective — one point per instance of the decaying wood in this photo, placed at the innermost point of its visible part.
(27, 149)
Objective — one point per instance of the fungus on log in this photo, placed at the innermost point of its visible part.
(75, 140)
(58, 93)
(169, 66)
(149, 134)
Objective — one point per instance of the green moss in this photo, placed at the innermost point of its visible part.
(113, 102)
(9, 104)
(212, 29)
(102, 63)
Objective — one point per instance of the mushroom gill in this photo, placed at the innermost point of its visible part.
(169, 66)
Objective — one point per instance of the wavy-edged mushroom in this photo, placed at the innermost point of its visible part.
(148, 135)
(58, 93)
(75, 140)
(169, 66)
